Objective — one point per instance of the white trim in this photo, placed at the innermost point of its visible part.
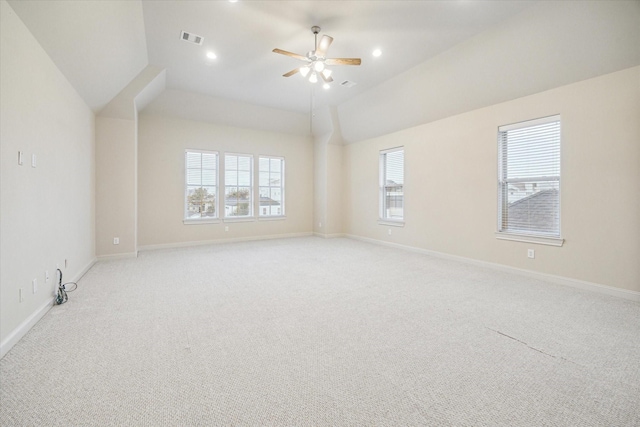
(283, 179)
(565, 281)
(527, 238)
(528, 123)
(391, 150)
(391, 223)
(252, 186)
(200, 221)
(186, 185)
(329, 236)
(111, 257)
(272, 218)
(214, 242)
(18, 333)
(239, 219)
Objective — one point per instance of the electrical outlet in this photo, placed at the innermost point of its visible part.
(20, 158)
(46, 276)
(116, 240)
(33, 161)
(531, 253)
(226, 228)
(34, 285)
(20, 295)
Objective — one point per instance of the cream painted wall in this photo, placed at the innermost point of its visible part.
(451, 183)
(328, 167)
(335, 190)
(551, 44)
(116, 174)
(320, 184)
(46, 212)
(162, 142)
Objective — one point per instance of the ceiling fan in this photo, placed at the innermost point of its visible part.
(316, 60)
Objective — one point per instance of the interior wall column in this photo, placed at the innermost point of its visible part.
(328, 173)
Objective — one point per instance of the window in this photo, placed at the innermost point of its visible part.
(391, 184)
(529, 178)
(271, 182)
(201, 185)
(238, 199)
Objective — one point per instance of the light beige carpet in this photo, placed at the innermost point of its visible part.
(314, 332)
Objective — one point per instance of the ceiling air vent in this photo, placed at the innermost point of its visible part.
(347, 83)
(191, 38)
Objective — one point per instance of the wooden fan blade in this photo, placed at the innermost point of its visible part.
(291, 54)
(324, 44)
(326, 79)
(291, 73)
(343, 61)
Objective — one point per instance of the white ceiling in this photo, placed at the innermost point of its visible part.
(243, 35)
(101, 46)
(440, 57)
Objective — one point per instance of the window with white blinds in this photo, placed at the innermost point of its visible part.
(392, 184)
(238, 185)
(529, 178)
(271, 185)
(201, 187)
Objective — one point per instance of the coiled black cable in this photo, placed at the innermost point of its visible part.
(61, 296)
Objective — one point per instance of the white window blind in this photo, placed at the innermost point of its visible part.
(392, 184)
(529, 177)
(201, 187)
(271, 184)
(238, 185)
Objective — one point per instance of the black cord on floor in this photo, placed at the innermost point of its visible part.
(61, 296)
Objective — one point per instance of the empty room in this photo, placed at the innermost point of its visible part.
(319, 213)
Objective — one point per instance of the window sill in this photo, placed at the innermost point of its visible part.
(551, 241)
(391, 223)
(201, 221)
(240, 219)
(272, 218)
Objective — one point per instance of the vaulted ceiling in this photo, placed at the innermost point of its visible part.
(456, 54)
(102, 45)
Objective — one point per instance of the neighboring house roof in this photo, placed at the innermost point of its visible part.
(530, 213)
(264, 201)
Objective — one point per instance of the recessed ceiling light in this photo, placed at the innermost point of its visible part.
(233, 1)
(211, 55)
(326, 86)
(377, 52)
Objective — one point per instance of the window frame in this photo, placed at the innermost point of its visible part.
(382, 218)
(251, 215)
(282, 187)
(203, 220)
(522, 235)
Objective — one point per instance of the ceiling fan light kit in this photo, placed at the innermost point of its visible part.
(316, 60)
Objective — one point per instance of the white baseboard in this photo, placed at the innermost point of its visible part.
(22, 329)
(218, 241)
(112, 257)
(566, 281)
(329, 236)
(17, 334)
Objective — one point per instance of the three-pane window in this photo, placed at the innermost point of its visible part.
(201, 184)
(271, 183)
(238, 185)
